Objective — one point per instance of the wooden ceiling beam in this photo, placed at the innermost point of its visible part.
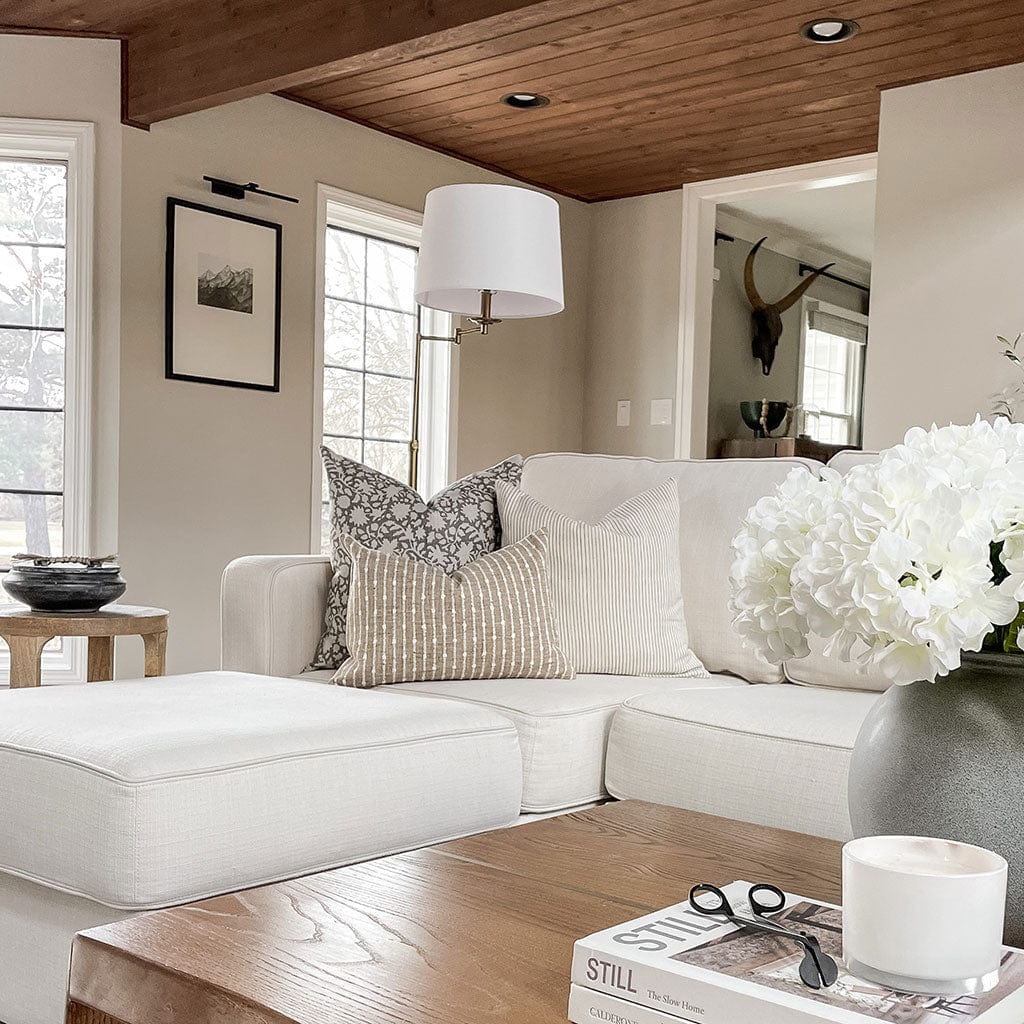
(581, 19)
(203, 53)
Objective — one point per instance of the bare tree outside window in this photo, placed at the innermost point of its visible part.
(369, 338)
(33, 217)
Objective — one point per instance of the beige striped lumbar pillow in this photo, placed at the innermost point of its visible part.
(490, 619)
(615, 584)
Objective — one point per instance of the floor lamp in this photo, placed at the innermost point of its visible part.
(488, 253)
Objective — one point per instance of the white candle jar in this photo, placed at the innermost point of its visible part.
(923, 915)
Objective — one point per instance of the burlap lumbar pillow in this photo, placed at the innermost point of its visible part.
(615, 584)
(489, 620)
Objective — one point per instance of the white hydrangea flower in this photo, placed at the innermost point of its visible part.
(897, 554)
(773, 539)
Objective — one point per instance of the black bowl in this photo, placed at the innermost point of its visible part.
(751, 413)
(60, 588)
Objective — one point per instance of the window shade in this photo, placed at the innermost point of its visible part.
(829, 323)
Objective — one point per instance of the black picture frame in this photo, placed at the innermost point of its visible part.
(170, 373)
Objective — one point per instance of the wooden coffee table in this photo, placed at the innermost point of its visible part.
(475, 930)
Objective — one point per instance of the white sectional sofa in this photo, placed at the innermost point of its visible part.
(753, 741)
(118, 798)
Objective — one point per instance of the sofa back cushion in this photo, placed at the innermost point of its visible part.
(843, 462)
(614, 583)
(714, 496)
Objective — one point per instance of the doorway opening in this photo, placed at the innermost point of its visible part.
(809, 216)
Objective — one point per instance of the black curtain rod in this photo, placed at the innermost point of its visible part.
(806, 268)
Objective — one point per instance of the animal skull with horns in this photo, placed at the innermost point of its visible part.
(766, 317)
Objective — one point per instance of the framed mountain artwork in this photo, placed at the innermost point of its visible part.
(223, 303)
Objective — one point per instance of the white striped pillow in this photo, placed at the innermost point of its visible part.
(615, 584)
(490, 619)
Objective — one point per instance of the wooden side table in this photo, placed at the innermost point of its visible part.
(27, 632)
(779, 447)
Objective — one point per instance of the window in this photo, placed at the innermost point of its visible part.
(369, 335)
(832, 348)
(33, 202)
(45, 316)
(367, 330)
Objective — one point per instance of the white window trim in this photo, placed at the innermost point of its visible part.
(439, 368)
(75, 143)
(854, 381)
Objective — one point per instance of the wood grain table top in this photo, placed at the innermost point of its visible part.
(112, 620)
(479, 929)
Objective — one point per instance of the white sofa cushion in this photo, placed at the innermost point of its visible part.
(615, 583)
(829, 670)
(563, 724)
(844, 461)
(147, 793)
(776, 754)
(714, 496)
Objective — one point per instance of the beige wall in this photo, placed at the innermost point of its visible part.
(209, 473)
(735, 374)
(948, 245)
(633, 326)
(79, 80)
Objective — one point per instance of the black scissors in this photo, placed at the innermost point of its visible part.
(817, 969)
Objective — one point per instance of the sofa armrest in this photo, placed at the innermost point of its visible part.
(272, 612)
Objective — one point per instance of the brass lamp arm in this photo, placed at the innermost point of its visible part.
(481, 325)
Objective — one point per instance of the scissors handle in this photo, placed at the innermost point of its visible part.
(710, 900)
(766, 899)
(763, 898)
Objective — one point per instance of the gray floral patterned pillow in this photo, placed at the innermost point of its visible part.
(455, 527)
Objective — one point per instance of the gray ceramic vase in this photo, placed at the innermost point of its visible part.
(946, 759)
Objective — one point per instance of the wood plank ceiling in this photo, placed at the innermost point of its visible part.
(645, 94)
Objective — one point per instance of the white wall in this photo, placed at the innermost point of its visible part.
(79, 80)
(209, 473)
(633, 325)
(948, 250)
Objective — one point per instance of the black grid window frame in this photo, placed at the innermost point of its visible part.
(41, 329)
(364, 304)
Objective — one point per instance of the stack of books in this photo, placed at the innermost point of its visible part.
(677, 965)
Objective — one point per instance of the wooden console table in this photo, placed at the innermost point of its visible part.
(779, 447)
(28, 632)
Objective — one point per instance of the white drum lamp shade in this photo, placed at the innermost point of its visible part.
(497, 238)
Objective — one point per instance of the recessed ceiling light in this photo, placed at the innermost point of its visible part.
(525, 100)
(829, 30)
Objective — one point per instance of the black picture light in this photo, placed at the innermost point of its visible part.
(235, 190)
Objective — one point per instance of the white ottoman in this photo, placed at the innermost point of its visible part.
(132, 795)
